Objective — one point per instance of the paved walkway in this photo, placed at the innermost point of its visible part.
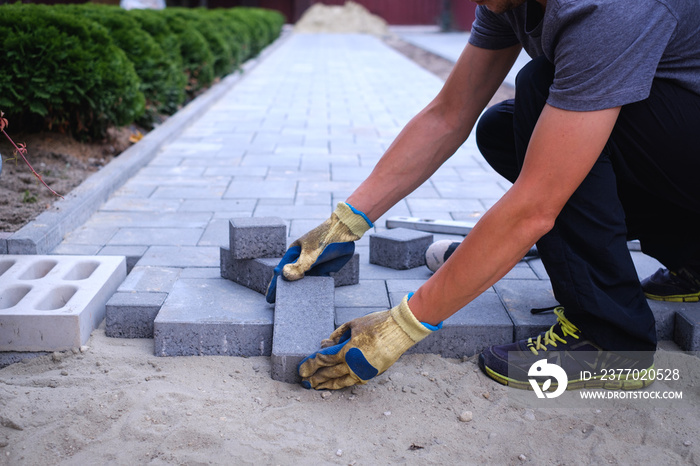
(449, 46)
(292, 138)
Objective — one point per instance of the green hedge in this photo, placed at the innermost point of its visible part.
(83, 68)
(64, 74)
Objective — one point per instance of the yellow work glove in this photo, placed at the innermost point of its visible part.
(363, 348)
(323, 250)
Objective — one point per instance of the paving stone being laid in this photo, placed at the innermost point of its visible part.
(304, 315)
(53, 303)
(399, 248)
(687, 327)
(213, 317)
(257, 273)
(131, 314)
(257, 237)
(251, 273)
(480, 324)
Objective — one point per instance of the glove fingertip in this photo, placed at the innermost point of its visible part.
(306, 384)
(291, 272)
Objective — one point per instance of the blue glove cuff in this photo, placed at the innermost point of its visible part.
(361, 214)
(433, 328)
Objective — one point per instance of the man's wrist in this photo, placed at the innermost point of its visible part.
(356, 221)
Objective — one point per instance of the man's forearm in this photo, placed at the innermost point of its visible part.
(433, 135)
(419, 150)
(562, 150)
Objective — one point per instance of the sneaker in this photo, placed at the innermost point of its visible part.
(680, 287)
(438, 253)
(585, 363)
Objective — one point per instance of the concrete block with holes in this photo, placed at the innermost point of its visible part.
(53, 303)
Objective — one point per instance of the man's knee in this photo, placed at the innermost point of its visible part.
(494, 138)
(536, 76)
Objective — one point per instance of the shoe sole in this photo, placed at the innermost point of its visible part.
(595, 382)
(679, 298)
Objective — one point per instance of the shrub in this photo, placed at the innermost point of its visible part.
(156, 25)
(64, 73)
(197, 57)
(236, 34)
(264, 25)
(160, 80)
(82, 68)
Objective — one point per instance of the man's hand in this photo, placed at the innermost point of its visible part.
(325, 249)
(363, 348)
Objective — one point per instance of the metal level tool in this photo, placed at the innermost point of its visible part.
(458, 227)
(448, 227)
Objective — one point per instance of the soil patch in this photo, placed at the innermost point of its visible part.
(62, 162)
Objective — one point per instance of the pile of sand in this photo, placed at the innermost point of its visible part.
(349, 18)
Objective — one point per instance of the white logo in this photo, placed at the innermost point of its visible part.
(542, 368)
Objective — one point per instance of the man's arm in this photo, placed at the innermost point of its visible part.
(563, 148)
(433, 135)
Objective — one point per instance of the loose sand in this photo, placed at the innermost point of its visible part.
(116, 403)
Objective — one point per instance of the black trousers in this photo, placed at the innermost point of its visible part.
(642, 187)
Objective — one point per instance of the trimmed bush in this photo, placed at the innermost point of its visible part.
(83, 68)
(217, 41)
(60, 72)
(155, 24)
(160, 79)
(197, 57)
(264, 25)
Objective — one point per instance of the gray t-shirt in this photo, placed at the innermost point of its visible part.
(606, 53)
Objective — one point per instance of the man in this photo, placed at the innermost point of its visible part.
(601, 143)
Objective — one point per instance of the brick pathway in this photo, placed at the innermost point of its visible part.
(292, 138)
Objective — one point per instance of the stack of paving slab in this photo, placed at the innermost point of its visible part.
(228, 314)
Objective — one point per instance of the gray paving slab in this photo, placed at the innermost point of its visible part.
(519, 297)
(304, 315)
(251, 273)
(156, 236)
(150, 280)
(3, 241)
(482, 323)
(257, 237)
(181, 256)
(131, 314)
(399, 248)
(213, 317)
(133, 254)
(687, 328)
(368, 293)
